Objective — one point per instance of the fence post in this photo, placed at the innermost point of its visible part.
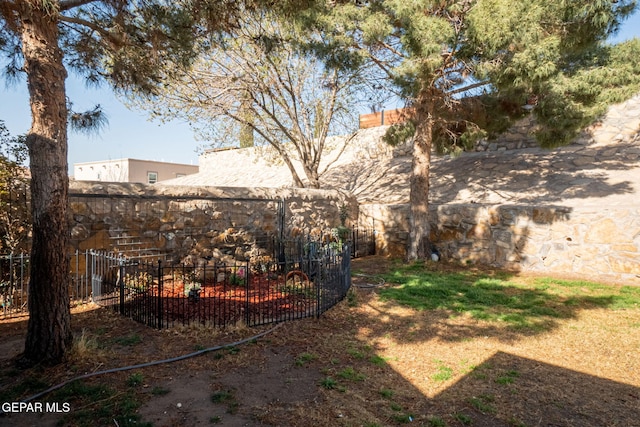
(247, 314)
(319, 283)
(160, 286)
(121, 285)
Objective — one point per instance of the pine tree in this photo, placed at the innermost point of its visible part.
(445, 55)
(128, 44)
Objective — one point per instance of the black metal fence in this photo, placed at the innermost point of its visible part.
(14, 282)
(308, 280)
(302, 277)
(221, 294)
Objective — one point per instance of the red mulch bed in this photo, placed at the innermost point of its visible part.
(266, 299)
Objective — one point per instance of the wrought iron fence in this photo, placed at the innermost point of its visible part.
(222, 294)
(302, 278)
(305, 284)
(13, 284)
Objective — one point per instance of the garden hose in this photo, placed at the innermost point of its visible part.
(380, 283)
(144, 365)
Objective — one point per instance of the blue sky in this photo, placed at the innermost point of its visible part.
(129, 133)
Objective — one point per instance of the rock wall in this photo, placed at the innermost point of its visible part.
(579, 241)
(572, 210)
(520, 135)
(225, 223)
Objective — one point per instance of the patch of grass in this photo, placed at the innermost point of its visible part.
(351, 374)
(159, 391)
(83, 346)
(215, 420)
(80, 389)
(500, 299)
(436, 422)
(356, 354)
(226, 397)
(507, 378)
(305, 358)
(386, 393)
(128, 340)
(483, 403)
(28, 386)
(232, 407)
(331, 383)
(135, 379)
(352, 298)
(463, 418)
(378, 360)
(98, 405)
(582, 292)
(444, 373)
(395, 407)
(516, 423)
(221, 396)
(403, 418)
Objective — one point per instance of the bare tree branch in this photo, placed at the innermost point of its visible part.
(70, 4)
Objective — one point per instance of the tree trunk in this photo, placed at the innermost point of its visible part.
(419, 189)
(49, 330)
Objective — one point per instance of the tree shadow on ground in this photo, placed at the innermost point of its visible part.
(351, 382)
(454, 306)
(538, 393)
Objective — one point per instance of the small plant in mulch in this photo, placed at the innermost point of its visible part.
(378, 360)
(305, 358)
(436, 422)
(386, 393)
(351, 374)
(483, 403)
(508, 377)
(159, 391)
(236, 280)
(128, 340)
(139, 280)
(135, 379)
(192, 290)
(226, 397)
(329, 383)
(84, 346)
(443, 373)
(298, 283)
(221, 396)
(463, 418)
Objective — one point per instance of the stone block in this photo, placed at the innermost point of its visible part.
(625, 263)
(629, 247)
(605, 231)
(448, 234)
(479, 231)
(543, 215)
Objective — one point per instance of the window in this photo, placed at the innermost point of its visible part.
(152, 177)
(180, 175)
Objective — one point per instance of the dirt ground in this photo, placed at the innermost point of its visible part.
(366, 362)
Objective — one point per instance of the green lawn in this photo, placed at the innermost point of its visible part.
(520, 302)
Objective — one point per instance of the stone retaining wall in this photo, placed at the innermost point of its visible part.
(222, 222)
(589, 242)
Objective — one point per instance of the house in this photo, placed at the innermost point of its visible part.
(131, 170)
